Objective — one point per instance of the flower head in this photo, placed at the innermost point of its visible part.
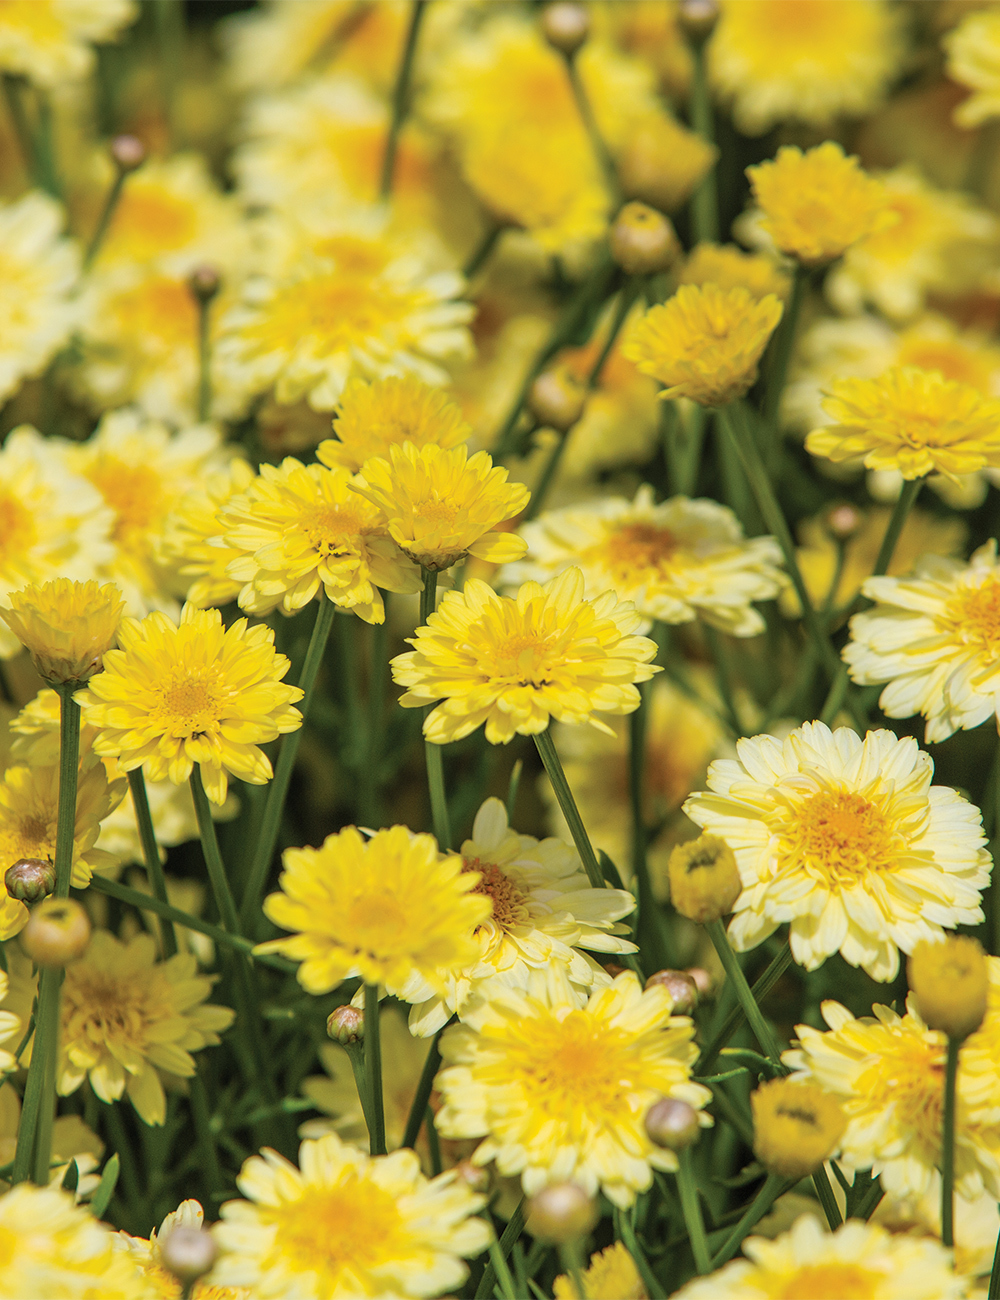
(973, 60)
(730, 268)
(49, 41)
(705, 342)
(441, 505)
(662, 162)
(125, 1015)
(373, 418)
(65, 626)
(950, 983)
(935, 638)
(704, 880)
(514, 663)
(796, 1126)
(847, 840)
(559, 1090)
(299, 528)
(390, 909)
(612, 1272)
(818, 203)
(191, 541)
(173, 696)
(146, 1255)
(674, 561)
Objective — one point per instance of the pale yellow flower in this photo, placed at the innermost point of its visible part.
(343, 1225)
(558, 1089)
(612, 1272)
(730, 268)
(514, 663)
(973, 60)
(191, 540)
(373, 418)
(49, 41)
(144, 1253)
(848, 841)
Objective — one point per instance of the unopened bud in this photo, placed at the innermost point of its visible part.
(127, 152)
(346, 1025)
(642, 240)
(474, 1177)
(843, 521)
(188, 1253)
(30, 879)
(697, 19)
(560, 1213)
(557, 399)
(204, 283)
(565, 26)
(704, 879)
(57, 932)
(614, 970)
(681, 987)
(702, 980)
(950, 984)
(672, 1123)
(796, 1126)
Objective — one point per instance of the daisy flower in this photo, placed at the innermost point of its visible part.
(848, 841)
(559, 1090)
(65, 626)
(373, 418)
(612, 1272)
(49, 41)
(191, 542)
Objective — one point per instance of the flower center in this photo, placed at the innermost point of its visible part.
(149, 221)
(437, 513)
(134, 493)
(191, 705)
(332, 313)
(524, 657)
(831, 1282)
(334, 529)
(952, 361)
(158, 311)
(339, 1233)
(376, 922)
(509, 904)
(100, 1007)
(575, 1063)
(840, 838)
(632, 552)
(17, 528)
(976, 614)
(27, 836)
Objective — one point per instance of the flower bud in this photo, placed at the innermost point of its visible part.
(557, 399)
(346, 1025)
(672, 1124)
(127, 152)
(843, 521)
(560, 1213)
(188, 1253)
(702, 980)
(204, 282)
(949, 980)
(67, 627)
(614, 970)
(704, 879)
(474, 1177)
(30, 879)
(796, 1126)
(57, 932)
(697, 19)
(643, 240)
(565, 26)
(681, 987)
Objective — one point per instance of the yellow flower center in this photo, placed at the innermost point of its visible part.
(332, 308)
(149, 221)
(158, 311)
(574, 1064)
(334, 529)
(17, 527)
(976, 615)
(634, 551)
(100, 1007)
(952, 360)
(27, 836)
(437, 513)
(831, 1282)
(134, 493)
(376, 922)
(525, 657)
(840, 837)
(191, 705)
(908, 1075)
(340, 1233)
(509, 904)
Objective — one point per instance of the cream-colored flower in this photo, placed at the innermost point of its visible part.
(848, 841)
(145, 1254)
(49, 41)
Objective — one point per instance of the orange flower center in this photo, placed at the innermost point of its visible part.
(331, 313)
(508, 902)
(575, 1064)
(158, 313)
(523, 657)
(976, 614)
(831, 1282)
(839, 837)
(149, 221)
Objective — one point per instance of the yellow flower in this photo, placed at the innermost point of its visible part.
(935, 638)
(72, 1139)
(441, 504)
(675, 561)
(38, 269)
(858, 1260)
(781, 59)
(981, 1053)
(198, 693)
(612, 1272)
(847, 840)
(705, 342)
(52, 1247)
(543, 912)
(299, 528)
(48, 41)
(796, 1126)
(888, 1071)
(973, 60)
(949, 983)
(662, 162)
(344, 1224)
(125, 1015)
(514, 663)
(191, 542)
(343, 302)
(914, 421)
(558, 1090)
(818, 203)
(52, 523)
(65, 626)
(373, 418)
(704, 879)
(145, 1255)
(730, 268)
(390, 910)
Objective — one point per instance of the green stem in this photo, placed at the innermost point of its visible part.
(504, 1277)
(356, 1056)
(271, 821)
(760, 990)
(571, 1258)
(401, 97)
(423, 1092)
(510, 1234)
(369, 801)
(564, 795)
(597, 142)
(827, 1199)
(705, 201)
(483, 249)
(373, 1070)
(994, 1291)
(781, 350)
(107, 212)
(213, 858)
(734, 972)
(48, 176)
(69, 767)
(434, 754)
(204, 357)
(150, 852)
(691, 1208)
(12, 89)
(169, 16)
(626, 1232)
(39, 1073)
(773, 1187)
(948, 1144)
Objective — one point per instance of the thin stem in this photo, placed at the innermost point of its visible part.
(46, 1043)
(827, 1199)
(948, 1144)
(369, 802)
(69, 767)
(483, 249)
(356, 1056)
(213, 858)
(48, 177)
(12, 89)
(373, 1070)
(627, 1234)
(760, 990)
(510, 1234)
(773, 1187)
(691, 1208)
(705, 202)
(597, 142)
(271, 821)
(401, 97)
(107, 212)
(570, 1256)
(781, 348)
(169, 16)
(204, 356)
(564, 795)
(763, 1031)
(504, 1277)
(900, 512)
(150, 853)
(994, 1291)
(433, 754)
(423, 1092)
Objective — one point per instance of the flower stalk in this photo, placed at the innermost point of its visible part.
(948, 1143)
(401, 97)
(691, 1209)
(150, 852)
(560, 787)
(734, 972)
(373, 1071)
(433, 753)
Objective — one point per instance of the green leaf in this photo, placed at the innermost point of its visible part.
(71, 1178)
(106, 1187)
